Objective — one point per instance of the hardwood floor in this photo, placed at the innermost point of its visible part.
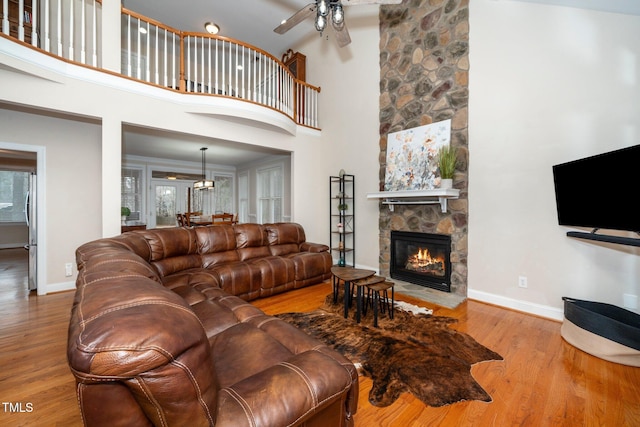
(543, 381)
(13, 274)
(36, 386)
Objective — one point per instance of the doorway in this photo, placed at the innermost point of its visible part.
(18, 236)
(170, 197)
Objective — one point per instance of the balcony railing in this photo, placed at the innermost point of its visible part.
(153, 53)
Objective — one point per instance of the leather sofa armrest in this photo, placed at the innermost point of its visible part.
(122, 333)
(297, 390)
(313, 247)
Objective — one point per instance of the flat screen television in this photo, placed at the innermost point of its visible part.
(600, 191)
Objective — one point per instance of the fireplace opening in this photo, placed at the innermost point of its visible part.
(421, 258)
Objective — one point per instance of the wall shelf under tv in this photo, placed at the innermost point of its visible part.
(630, 241)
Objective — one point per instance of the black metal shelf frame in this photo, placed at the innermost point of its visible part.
(342, 243)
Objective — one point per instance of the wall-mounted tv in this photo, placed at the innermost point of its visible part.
(601, 191)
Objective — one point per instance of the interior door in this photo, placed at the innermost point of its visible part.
(169, 197)
(165, 204)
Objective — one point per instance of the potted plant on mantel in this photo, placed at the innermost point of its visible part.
(447, 162)
(124, 213)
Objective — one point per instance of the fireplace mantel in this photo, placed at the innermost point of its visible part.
(416, 197)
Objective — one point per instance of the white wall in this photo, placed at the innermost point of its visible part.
(548, 85)
(73, 209)
(349, 78)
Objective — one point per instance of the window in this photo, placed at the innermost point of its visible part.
(243, 197)
(223, 194)
(270, 195)
(131, 191)
(14, 187)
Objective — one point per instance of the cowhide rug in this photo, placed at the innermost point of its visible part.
(417, 354)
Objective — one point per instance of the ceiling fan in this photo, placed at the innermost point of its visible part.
(326, 11)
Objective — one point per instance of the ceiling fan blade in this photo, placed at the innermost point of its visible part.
(296, 18)
(357, 2)
(342, 34)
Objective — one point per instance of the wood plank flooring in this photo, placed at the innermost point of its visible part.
(543, 381)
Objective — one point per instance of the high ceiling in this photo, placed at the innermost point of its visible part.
(251, 21)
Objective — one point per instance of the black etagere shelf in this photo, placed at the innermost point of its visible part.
(342, 218)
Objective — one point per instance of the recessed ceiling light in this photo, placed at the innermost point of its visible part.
(142, 30)
(211, 28)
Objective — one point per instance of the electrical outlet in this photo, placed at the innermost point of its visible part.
(68, 269)
(522, 281)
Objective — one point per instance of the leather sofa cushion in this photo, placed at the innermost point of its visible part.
(238, 278)
(172, 249)
(251, 241)
(198, 278)
(276, 272)
(285, 238)
(114, 261)
(217, 245)
(170, 242)
(214, 239)
(130, 241)
(285, 232)
(310, 265)
(289, 360)
(282, 250)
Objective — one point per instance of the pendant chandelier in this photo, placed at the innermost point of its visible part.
(203, 184)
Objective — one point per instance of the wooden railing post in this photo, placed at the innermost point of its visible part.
(182, 84)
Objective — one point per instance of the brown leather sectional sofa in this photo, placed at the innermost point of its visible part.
(161, 332)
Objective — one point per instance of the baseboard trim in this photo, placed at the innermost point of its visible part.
(59, 287)
(518, 305)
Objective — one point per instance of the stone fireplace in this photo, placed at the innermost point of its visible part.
(424, 78)
(421, 258)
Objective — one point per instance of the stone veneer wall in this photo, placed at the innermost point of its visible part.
(424, 70)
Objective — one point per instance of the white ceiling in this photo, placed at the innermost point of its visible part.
(251, 21)
(186, 148)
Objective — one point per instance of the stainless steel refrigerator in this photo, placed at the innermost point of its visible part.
(31, 218)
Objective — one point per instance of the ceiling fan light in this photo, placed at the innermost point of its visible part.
(338, 15)
(211, 28)
(321, 23)
(323, 8)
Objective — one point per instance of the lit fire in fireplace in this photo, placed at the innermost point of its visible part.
(423, 262)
